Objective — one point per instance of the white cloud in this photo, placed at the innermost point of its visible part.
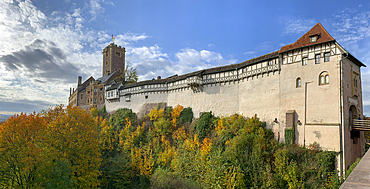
(350, 28)
(42, 55)
(95, 9)
(299, 26)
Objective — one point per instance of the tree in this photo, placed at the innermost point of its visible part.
(129, 75)
(186, 116)
(204, 125)
(23, 158)
(75, 141)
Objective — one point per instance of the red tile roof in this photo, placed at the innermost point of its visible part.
(318, 29)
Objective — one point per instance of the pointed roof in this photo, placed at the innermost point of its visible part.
(318, 29)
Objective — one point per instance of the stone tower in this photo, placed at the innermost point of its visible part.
(113, 59)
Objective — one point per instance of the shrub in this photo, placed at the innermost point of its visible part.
(162, 178)
(186, 116)
(204, 125)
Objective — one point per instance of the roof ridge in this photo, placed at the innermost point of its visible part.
(304, 40)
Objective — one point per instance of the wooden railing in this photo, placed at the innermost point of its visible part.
(361, 125)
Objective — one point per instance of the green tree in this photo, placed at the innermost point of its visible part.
(118, 119)
(204, 125)
(186, 116)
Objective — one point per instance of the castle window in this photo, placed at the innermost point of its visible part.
(317, 58)
(95, 99)
(304, 61)
(106, 53)
(298, 82)
(88, 100)
(313, 39)
(106, 62)
(81, 96)
(95, 90)
(324, 78)
(118, 54)
(101, 89)
(146, 96)
(327, 57)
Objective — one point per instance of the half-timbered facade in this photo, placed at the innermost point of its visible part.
(313, 85)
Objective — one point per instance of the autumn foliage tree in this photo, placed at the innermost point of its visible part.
(58, 148)
(23, 152)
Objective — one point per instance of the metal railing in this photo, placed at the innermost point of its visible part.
(361, 125)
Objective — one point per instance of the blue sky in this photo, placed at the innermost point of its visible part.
(46, 44)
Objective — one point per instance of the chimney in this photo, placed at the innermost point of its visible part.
(159, 77)
(70, 91)
(73, 90)
(79, 80)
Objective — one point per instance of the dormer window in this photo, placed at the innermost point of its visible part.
(313, 39)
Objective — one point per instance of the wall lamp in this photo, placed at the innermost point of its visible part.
(299, 122)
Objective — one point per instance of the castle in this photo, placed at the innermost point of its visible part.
(312, 85)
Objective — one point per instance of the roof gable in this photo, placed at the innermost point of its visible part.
(317, 30)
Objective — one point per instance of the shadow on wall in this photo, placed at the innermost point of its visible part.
(145, 109)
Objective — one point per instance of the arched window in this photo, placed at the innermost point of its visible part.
(324, 78)
(298, 82)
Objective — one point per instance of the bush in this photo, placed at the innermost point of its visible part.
(186, 116)
(118, 119)
(162, 178)
(204, 125)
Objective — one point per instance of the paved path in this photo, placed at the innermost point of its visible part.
(360, 176)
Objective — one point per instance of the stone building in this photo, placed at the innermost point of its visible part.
(91, 92)
(313, 84)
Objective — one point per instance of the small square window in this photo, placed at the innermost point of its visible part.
(313, 39)
(304, 61)
(118, 54)
(327, 57)
(146, 96)
(317, 59)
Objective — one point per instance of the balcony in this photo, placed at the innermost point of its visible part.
(361, 125)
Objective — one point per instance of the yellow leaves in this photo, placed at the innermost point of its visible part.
(143, 161)
(206, 147)
(175, 115)
(41, 140)
(232, 177)
(179, 134)
(191, 145)
(165, 157)
(155, 114)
